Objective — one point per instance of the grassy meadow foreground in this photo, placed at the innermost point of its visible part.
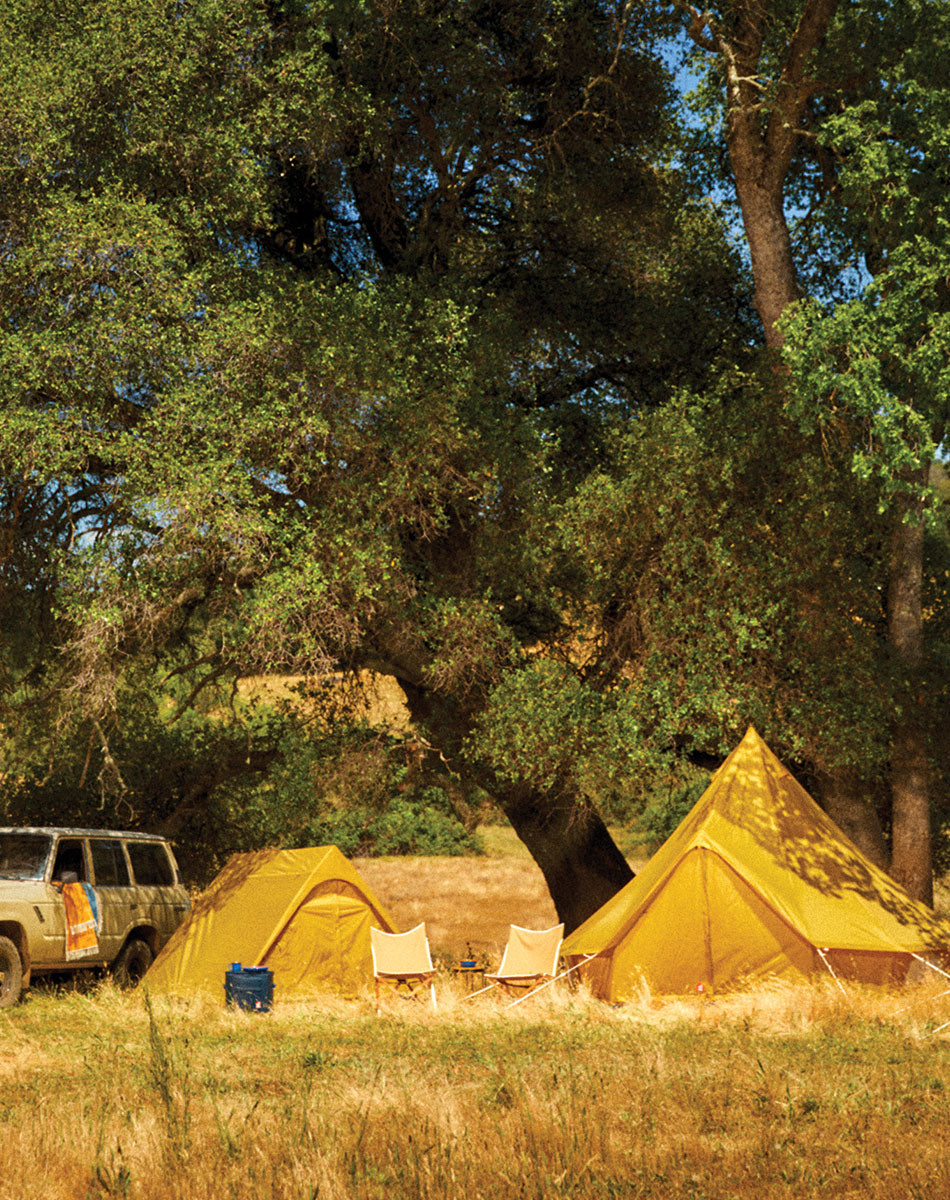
(784, 1092)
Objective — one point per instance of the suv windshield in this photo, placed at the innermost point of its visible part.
(23, 855)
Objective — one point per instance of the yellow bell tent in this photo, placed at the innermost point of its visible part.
(306, 914)
(756, 881)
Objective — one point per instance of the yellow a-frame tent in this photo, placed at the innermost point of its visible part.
(756, 881)
(306, 914)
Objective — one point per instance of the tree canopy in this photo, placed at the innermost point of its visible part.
(406, 338)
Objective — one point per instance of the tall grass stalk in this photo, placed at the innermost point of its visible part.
(166, 1068)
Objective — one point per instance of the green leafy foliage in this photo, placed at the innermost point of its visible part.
(352, 338)
(881, 363)
(239, 772)
(665, 808)
(309, 316)
(357, 788)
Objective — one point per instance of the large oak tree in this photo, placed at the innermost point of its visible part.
(310, 314)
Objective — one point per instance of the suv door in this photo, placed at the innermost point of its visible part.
(161, 896)
(118, 904)
(70, 863)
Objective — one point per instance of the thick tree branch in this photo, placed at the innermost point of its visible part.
(794, 89)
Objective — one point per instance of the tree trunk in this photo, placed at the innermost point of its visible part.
(910, 812)
(570, 843)
(762, 135)
(565, 836)
(910, 784)
(770, 246)
(844, 799)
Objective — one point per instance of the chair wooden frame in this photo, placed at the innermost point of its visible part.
(403, 965)
(528, 963)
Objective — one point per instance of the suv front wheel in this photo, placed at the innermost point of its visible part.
(11, 973)
(133, 960)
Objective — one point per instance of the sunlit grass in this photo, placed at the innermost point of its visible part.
(779, 1092)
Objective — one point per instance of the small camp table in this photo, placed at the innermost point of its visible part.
(469, 973)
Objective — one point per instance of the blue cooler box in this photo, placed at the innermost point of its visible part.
(250, 988)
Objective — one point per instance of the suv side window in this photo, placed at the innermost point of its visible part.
(70, 858)
(108, 863)
(151, 865)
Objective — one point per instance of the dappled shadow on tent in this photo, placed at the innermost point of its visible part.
(759, 796)
(225, 885)
(755, 881)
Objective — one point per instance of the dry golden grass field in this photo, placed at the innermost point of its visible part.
(781, 1092)
(784, 1093)
(465, 901)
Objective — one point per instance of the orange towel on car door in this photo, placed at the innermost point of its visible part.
(82, 935)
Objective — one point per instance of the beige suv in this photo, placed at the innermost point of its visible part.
(132, 888)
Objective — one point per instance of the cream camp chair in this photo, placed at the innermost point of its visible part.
(402, 962)
(529, 961)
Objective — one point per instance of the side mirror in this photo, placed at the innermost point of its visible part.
(68, 877)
